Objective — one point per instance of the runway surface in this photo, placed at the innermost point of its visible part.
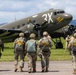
(55, 68)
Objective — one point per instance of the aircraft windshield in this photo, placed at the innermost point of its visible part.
(58, 12)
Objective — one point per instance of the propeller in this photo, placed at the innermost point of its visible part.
(38, 27)
(72, 28)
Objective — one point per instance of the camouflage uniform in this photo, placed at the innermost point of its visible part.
(1, 47)
(45, 54)
(19, 51)
(32, 56)
(67, 41)
(72, 46)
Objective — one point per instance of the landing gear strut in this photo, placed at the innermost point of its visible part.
(58, 43)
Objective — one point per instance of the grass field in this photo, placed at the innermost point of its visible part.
(56, 54)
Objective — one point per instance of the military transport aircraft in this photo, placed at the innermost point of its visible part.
(51, 21)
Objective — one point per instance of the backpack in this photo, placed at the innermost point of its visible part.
(45, 41)
(45, 44)
(74, 47)
(31, 46)
(20, 42)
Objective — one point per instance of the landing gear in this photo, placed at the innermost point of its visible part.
(58, 43)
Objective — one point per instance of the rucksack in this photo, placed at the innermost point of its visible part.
(45, 44)
(31, 46)
(45, 41)
(20, 42)
(74, 45)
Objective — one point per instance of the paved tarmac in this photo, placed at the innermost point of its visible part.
(55, 68)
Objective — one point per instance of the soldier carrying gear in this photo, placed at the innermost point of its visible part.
(67, 41)
(45, 33)
(21, 34)
(1, 47)
(19, 50)
(31, 47)
(45, 44)
(72, 46)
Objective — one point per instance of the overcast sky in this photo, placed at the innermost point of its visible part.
(18, 9)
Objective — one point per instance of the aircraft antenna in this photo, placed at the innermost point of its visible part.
(15, 18)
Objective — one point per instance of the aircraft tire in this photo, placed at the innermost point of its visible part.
(59, 45)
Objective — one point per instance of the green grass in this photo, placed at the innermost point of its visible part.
(56, 54)
(60, 55)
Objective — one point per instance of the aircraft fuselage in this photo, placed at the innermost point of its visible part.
(50, 21)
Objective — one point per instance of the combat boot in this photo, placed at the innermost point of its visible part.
(15, 69)
(34, 70)
(46, 70)
(29, 71)
(43, 69)
(21, 70)
(74, 71)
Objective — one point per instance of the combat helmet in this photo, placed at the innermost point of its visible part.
(21, 34)
(32, 35)
(45, 33)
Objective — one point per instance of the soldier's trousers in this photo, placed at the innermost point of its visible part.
(45, 61)
(32, 57)
(73, 59)
(17, 54)
(67, 44)
(0, 53)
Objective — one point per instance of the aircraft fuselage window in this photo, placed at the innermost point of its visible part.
(18, 26)
(58, 12)
(55, 13)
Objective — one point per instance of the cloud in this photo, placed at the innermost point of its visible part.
(23, 8)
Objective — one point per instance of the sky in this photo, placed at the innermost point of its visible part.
(11, 10)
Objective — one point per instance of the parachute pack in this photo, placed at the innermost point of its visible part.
(74, 47)
(20, 42)
(31, 46)
(45, 44)
(45, 41)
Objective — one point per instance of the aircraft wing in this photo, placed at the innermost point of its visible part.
(6, 34)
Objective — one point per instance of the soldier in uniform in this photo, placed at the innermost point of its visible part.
(67, 41)
(19, 50)
(45, 44)
(31, 47)
(72, 46)
(1, 47)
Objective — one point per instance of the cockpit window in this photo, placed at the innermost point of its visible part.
(62, 12)
(58, 12)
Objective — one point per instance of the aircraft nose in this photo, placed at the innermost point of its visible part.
(68, 16)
